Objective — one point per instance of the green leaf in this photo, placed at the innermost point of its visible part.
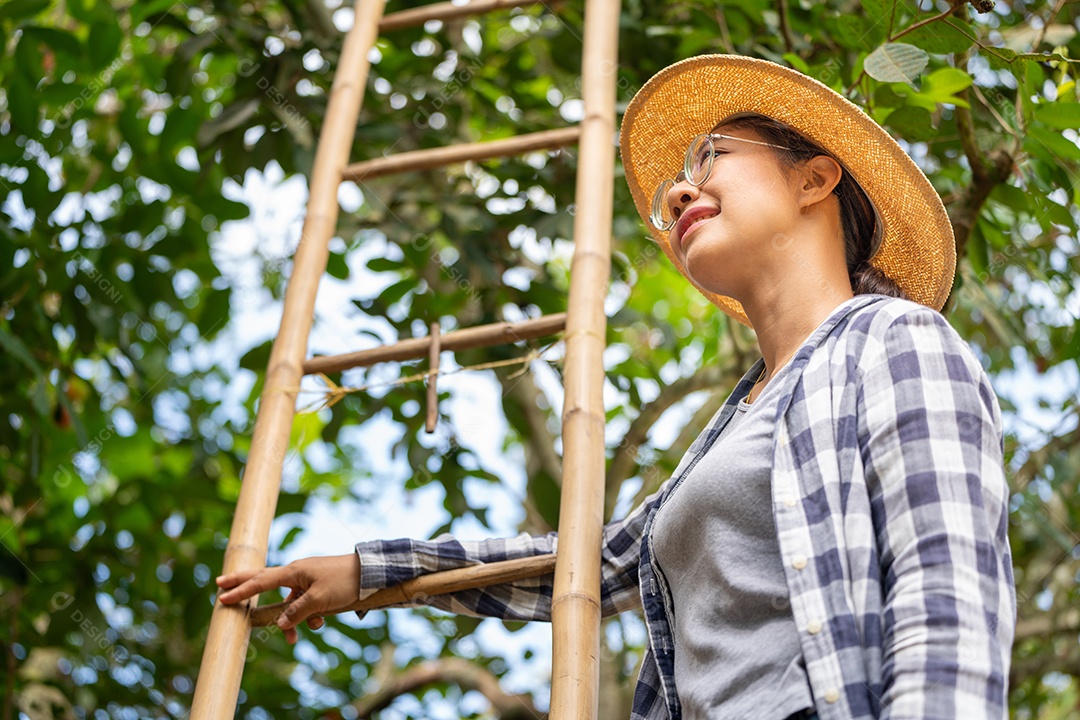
(896, 62)
(337, 266)
(61, 42)
(1061, 115)
(950, 36)
(993, 233)
(797, 62)
(290, 503)
(913, 123)
(81, 10)
(937, 88)
(16, 9)
(547, 495)
(16, 348)
(855, 32)
(1059, 146)
(135, 519)
(215, 312)
(103, 42)
(945, 82)
(290, 536)
(257, 358)
(396, 292)
(1012, 197)
(181, 125)
(23, 105)
(878, 11)
(1000, 58)
(380, 264)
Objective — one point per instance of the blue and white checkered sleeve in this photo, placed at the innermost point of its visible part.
(931, 436)
(384, 563)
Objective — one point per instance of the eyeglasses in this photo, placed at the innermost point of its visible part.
(696, 169)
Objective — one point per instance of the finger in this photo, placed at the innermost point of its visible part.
(291, 636)
(315, 622)
(304, 607)
(267, 579)
(235, 578)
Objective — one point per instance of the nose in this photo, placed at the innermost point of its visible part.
(679, 196)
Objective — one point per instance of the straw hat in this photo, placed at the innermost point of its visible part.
(690, 97)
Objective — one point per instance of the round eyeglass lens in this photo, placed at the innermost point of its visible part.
(661, 216)
(699, 159)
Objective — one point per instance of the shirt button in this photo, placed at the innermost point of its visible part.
(789, 500)
(798, 562)
(832, 695)
(813, 627)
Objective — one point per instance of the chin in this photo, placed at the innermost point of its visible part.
(708, 268)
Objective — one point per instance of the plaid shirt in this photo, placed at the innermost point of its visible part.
(890, 504)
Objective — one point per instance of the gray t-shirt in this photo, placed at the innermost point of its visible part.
(737, 652)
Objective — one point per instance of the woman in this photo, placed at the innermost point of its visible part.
(835, 543)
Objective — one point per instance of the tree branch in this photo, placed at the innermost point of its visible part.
(725, 35)
(1067, 662)
(524, 393)
(458, 671)
(964, 213)
(1047, 624)
(785, 27)
(653, 479)
(8, 649)
(1037, 459)
(624, 465)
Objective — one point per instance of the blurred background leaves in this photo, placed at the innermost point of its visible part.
(126, 131)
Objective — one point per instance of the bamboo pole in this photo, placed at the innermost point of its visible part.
(448, 581)
(439, 157)
(222, 667)
(467, 339)
(575, 607)
(446, 11)
(432, 386)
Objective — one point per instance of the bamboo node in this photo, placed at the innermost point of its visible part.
(584, 331)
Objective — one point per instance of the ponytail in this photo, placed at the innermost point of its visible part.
(868, 279)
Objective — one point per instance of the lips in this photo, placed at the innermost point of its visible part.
(692, 217)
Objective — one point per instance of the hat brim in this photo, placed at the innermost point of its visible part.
(688, 98)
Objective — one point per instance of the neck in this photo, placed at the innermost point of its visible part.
(785, 306)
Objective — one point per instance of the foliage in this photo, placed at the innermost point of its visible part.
(123, 129)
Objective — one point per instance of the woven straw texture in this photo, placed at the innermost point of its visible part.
(688, 98)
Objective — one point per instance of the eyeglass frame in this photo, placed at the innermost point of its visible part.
(660, 195)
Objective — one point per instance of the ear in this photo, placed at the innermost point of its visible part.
(819, 177)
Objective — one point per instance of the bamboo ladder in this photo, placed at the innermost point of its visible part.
(575, 603)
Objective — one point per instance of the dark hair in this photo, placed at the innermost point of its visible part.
(862, 232)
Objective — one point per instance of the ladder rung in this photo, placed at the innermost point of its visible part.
(474, 337)
(447, 581)
(446, 11)
(437, 157)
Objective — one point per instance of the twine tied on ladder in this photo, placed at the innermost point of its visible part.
(333, 392)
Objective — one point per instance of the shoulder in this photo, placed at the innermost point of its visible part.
(876, 319)
(902, 347)
(894, 326)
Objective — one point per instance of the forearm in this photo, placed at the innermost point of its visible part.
(385, 563)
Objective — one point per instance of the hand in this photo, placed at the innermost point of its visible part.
(318, 585)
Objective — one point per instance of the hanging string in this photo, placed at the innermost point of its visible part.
(334, 392)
